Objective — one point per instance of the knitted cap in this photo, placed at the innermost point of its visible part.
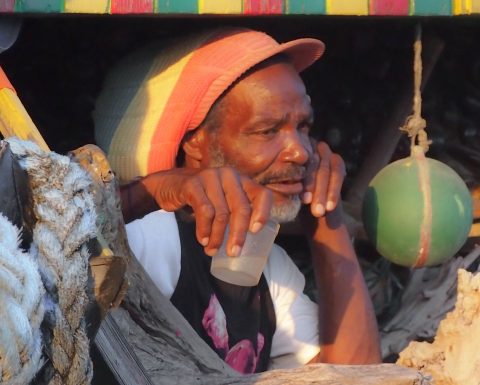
(152, 98)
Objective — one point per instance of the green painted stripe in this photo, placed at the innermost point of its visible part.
(176, 6)
(42, 6)
(431, 7)
(306, 7)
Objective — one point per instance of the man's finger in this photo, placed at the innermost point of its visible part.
(196, 197)
(261, 200)
(337, 177)
(322, 179)
(309, 180)
(239, 208)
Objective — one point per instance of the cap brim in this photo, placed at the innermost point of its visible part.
(303, 52)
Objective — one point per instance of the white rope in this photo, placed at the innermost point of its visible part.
(21, 310)
(65, 213)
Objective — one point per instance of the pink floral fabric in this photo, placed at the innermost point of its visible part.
(243, 356)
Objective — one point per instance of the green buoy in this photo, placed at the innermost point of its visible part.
(417, 211)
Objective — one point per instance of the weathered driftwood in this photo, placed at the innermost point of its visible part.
(453, 358)
(172, 353)
(429, 295)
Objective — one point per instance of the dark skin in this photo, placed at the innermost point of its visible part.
(269, 160)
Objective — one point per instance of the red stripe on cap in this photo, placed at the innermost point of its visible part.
(212, 60)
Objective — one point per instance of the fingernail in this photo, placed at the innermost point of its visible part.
(211, 252)
(204, 241)
(235, 251)
(330, 206)
(255, 227)
(319, 209)
(307, 197)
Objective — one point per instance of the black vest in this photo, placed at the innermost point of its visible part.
(236, 322)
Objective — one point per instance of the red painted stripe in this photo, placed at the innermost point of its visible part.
(259, 7)
(4, 82)
(425, 189)
(131, 6)
(7, 5)
(389, 7)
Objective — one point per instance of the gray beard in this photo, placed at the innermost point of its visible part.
(282, 213)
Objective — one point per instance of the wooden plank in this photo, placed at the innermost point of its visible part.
(259, 7)
(225, 7)
(119, 355)
(43, 6)
(82, 6)
(305, 7)
(7, 5)
(176, 6)
(131, 6)
(389, 7)
(347, 7)
(431, 7)
(14, 118)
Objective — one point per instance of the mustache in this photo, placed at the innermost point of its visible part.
(293, 172)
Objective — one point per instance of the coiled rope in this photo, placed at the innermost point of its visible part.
(65, 222)
(21, 309)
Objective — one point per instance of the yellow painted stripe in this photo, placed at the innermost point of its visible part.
(462, 7)
(15, 121)
(347, 7)
(221, 7)
(475, 6)
(87, 6)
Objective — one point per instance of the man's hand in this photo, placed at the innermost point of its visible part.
(217, 196)
(324, 179)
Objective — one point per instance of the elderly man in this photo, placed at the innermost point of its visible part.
(217, 126)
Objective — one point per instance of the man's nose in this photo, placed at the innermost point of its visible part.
(295, 148)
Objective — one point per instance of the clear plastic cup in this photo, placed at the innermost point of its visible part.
(246, 269)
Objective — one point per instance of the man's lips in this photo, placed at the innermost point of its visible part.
(286, 187)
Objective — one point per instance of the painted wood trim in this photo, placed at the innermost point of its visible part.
(263, 7)
(347, 7)
(131, 6)
(389, 7)
(248, 7)
(220, 7)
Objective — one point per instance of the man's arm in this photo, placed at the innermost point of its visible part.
(348, 329)
(216, 196)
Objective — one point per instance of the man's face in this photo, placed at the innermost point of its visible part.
(266, 118)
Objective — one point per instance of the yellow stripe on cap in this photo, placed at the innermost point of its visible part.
(130, 145)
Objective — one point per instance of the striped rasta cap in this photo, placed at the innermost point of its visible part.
(157, 94)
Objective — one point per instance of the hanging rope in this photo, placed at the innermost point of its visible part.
(415, 125)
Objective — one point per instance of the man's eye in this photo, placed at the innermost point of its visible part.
(305, 127)
(268, 132)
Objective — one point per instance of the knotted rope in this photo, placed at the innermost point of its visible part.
(65, 222)
(21, 310)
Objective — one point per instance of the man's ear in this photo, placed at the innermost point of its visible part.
(193, 145)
